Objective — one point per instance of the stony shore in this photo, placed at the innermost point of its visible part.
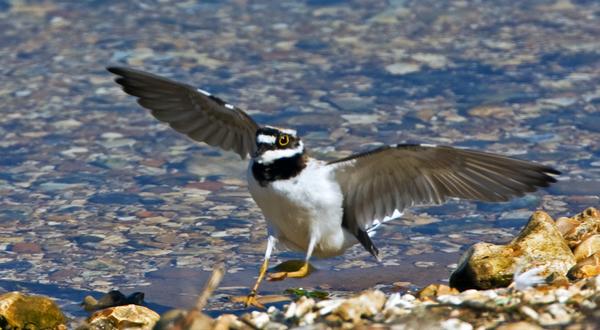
(552, 270)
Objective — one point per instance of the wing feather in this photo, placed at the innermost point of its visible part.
(200, 116)
(378, 182)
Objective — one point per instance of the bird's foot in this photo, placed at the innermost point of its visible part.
(291, 268)
(254, 300)
(251, 300)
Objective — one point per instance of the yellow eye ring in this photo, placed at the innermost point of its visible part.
(284, 140)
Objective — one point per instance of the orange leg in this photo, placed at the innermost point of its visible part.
(251, 298)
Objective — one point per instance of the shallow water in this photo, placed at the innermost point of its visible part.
(96, 195)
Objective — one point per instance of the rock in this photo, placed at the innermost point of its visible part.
(496, 111)
(366, 304)
(256, 319)
(585, 268)
(26, 248)
(581, 226)
(565, 224)
(435, 61)
(350, 102)
(124, 317)
(522, 325)
(227, 321)
(539, 245)
(556, 315)
(589, 246)
(434, 290)
(455, 324)
(403, 68)
(299, 308)
(182, 319)
(19, 311)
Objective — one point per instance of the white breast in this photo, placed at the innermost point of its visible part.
(309, 204)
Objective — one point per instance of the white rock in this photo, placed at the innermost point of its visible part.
(111, 135)
(403, 68)
(450, 299)
(72, 152)
(260, 319)
(328, 306)
(65, 124)
(455, 324)
(435, 61)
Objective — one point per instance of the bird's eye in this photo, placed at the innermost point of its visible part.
(284, 140)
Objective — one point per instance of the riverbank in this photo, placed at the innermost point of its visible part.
(544, 290)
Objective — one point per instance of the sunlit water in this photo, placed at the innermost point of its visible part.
(96, 195)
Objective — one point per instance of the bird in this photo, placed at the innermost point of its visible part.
(322, 208)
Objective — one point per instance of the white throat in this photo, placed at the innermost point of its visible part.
(270, 156)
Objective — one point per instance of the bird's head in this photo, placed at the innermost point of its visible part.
(276, 143)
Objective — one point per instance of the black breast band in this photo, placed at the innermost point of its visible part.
(280, 169)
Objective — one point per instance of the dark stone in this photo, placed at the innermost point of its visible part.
(115, 198)
(311, 45)
(16, 265)
(325, 2)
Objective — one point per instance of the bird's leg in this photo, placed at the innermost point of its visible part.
(303, 271)
(251, 298)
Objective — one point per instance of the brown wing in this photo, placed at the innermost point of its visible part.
(193, 112)
(376, 183)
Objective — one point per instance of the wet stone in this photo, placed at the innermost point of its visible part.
(26, 248)
(121, 317)
(114, 198)
(351, 103)
(19, 311)
(539, 245)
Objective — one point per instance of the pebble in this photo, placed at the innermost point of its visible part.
(26, 248)
(111, 135)
(361, 119)
(588, 247)
(23, 93)
(67, 124)
(560, 101)
(351, 103)
(73, 152)
(543, 307)
(403, 68)
(455, 324)
(435, 61)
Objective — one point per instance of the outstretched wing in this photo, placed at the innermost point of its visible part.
(193, 112)
(376, 183)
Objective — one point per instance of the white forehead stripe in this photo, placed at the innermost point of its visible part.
(287, 131)
(229, 106)
(269, 139)
(203, 92)
(272, 155)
